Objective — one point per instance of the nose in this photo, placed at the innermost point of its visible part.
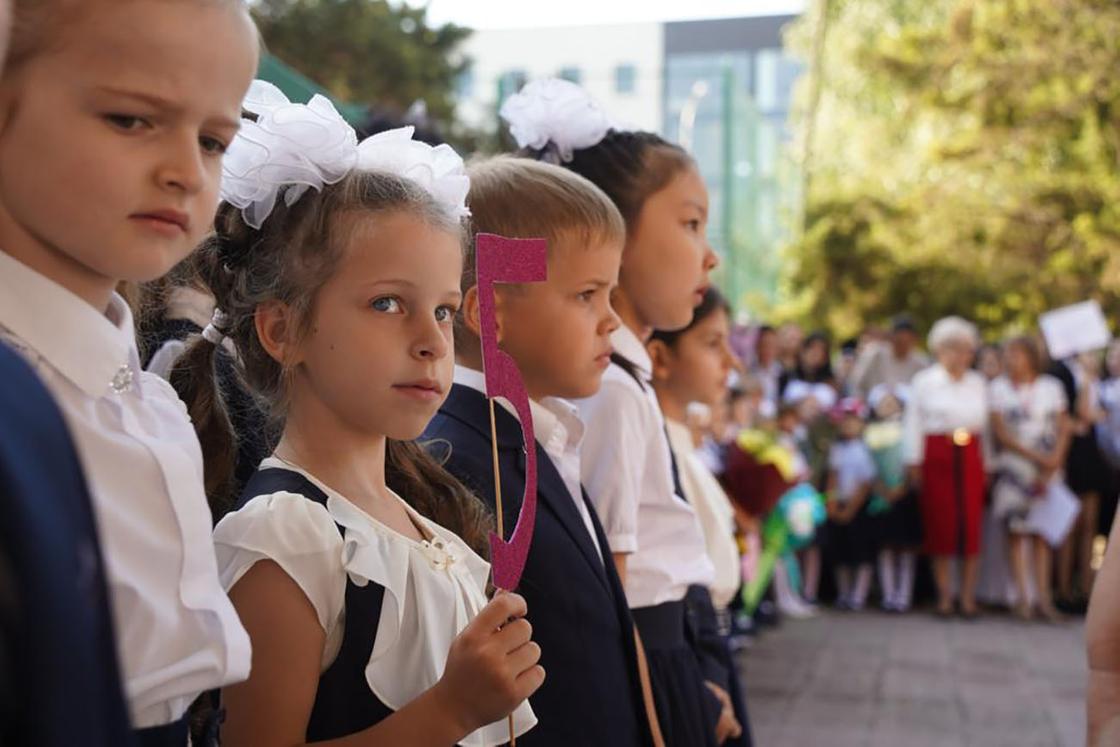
(610, 321)
(182, 168)
(711, 259)
(431, 343)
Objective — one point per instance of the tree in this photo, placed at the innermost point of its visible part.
(967, 161)
(367, 51)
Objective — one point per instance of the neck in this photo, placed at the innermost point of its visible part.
(1024, 377)
(630, 316)
(671, 406)
(351, 462)
(474, 362)
(54, 264)
(956, 374)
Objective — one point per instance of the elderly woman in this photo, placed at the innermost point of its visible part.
(943, 429)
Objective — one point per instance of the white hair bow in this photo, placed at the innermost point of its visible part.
(557, 112)
(296, 146)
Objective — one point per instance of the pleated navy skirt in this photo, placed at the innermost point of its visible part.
(686, 709)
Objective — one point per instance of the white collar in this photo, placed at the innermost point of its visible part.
(627, 344)
(97, 352)
(548, 415)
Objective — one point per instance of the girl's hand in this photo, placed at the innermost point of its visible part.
(727, 727)
(492, 666)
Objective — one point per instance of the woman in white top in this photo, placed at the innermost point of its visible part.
(943, 431)
(111, 156)
(352, 557)
(1032, 430)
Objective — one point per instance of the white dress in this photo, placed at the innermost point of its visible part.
(433, 589)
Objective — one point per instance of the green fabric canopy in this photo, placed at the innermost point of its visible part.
(299, 88)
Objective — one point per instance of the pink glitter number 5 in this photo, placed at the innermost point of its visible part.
(502, 260)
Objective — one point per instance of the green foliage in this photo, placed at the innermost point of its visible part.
(967, 160)
(367, 51)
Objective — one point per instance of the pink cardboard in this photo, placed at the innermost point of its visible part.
(502, 260)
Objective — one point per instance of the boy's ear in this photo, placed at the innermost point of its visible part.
(276, 330)
(661, 356)
(472, 315)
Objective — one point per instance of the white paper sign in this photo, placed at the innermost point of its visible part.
(1075, 329)
(1053, 514)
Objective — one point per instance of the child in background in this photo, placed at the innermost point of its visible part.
(110, 163)
(898, 518)
(793, 435)
(352, 556)
(851, 530)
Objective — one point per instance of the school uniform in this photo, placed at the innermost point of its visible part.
(592, 695)
(178, 634)
(389, 605)
(59, 681)
(187, 314)
(853, 543)
(628, 470)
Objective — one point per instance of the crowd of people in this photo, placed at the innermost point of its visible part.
(990, 464)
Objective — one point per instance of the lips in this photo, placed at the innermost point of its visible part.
(422, 389)
(166, 218)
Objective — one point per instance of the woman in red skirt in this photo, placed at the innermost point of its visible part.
(945, 422)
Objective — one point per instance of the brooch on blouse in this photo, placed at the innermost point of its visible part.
(439, 554)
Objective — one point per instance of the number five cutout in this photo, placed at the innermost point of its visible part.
(502, 260)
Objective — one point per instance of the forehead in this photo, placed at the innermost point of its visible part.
(400, 244)
(686, 188)
(194, 51)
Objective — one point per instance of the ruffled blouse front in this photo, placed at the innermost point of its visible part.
(433, 588)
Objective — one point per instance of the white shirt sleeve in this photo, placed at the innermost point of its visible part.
(613, 459)
(295, 533)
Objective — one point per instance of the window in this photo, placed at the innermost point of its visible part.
(464, 83)
(571, 73)
(625, 78)
(510, 83)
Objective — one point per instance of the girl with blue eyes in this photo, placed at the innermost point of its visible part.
(353, 559)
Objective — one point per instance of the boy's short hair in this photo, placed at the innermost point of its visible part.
(520, 198)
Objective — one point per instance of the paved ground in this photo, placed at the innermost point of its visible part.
(848, 679)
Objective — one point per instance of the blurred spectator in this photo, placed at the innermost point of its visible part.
(989, 362)
(889, 363)
(767, 370)
(790, 337)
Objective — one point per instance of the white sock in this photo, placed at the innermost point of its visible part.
(886, 578)
(862, 586)
(844, 584)
(905, 579)
(783, 592)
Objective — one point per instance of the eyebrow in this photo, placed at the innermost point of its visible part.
(693, 203)
(160, 102)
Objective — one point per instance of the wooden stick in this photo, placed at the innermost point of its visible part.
(498, 512)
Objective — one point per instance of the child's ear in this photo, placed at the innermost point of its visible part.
(661, 356)
(472, 316)
(276, 330)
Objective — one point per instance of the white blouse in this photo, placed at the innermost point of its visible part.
(1031, 411)
(940, 404)
(177, 633)
(433, 589)
(627, 471)
(717, 517)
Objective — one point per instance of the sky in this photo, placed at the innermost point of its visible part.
(489, 14)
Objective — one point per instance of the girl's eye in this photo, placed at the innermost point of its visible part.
(445, 313)
(212, 145)
(587, 295)
(126, 122)
(693, 225)
(386, 304)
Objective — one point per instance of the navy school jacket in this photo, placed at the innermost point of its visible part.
(591, 695)
(59, 681)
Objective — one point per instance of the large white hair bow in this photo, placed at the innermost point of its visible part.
(557, 112)
(296, 146)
